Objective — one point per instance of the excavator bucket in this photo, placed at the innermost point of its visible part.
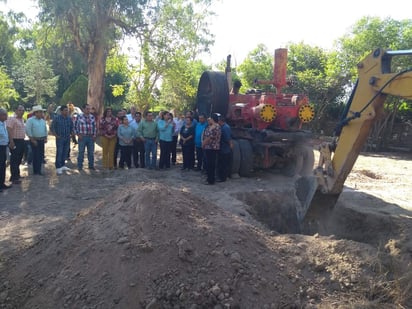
(306, 187)
(314, 207)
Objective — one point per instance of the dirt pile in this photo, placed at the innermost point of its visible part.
(151, 246)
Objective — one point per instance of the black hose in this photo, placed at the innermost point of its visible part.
(345, 121)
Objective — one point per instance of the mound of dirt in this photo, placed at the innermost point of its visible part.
(151, 246)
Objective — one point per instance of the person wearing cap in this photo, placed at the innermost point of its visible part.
(36, 130)
(211, 146)
(4, 142)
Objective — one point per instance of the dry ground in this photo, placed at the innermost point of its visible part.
(161, 239)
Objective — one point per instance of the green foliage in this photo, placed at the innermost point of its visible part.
(7, 39)
(7, 92)
(317, 77)
(366, 35)
(77, 92)
(258, 65)
(170, 42)
(94, 27)
(179, 87)
(116, 79)
(61, 52)
(37, 76)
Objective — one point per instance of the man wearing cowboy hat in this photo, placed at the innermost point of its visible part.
(36, 130)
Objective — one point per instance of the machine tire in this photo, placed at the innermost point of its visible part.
(235, 159)
(246, 155)
(301, 163)
(212, 94)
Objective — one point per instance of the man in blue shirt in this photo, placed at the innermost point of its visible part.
(36, 130)
(200, 127)
(224, 158)
(62, 128)
(4, 143)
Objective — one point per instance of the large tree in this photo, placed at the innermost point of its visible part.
(94, 26)
(162, 28)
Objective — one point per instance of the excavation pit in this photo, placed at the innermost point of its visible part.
(276, 210)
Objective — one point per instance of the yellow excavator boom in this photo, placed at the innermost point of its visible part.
(375, 81)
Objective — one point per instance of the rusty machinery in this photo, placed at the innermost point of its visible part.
(267, 126)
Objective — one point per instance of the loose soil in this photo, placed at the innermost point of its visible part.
(161, 239)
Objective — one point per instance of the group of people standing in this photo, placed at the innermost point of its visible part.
(205, 142)
(13, 132)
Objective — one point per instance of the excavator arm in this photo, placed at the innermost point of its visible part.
(375, 81)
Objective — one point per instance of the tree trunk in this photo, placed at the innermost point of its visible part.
(96, 70)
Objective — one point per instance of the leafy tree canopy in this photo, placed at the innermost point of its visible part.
(7, 92)
(37, 76)
(77, 92)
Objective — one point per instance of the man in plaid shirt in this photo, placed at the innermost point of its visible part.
(86, 130)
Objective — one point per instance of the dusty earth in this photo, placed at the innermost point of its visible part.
(161, 239)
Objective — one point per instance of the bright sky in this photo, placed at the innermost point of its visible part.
(243, 24)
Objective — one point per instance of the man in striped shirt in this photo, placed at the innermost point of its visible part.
(86, 131)
(16, 130)
(62, 128)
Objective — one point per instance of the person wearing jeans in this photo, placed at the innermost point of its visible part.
(126, 134)
(150, 148)
(148, 132)
(36, 130)
(86, 130)
(62, 128)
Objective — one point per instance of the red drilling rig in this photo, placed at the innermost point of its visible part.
(266, 126)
